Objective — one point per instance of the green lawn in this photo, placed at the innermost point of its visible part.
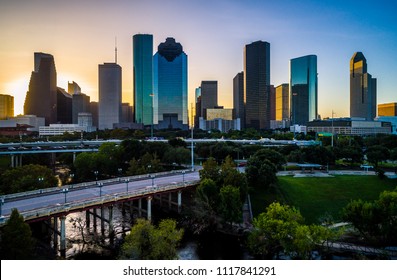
(315, 197)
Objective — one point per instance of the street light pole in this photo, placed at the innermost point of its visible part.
(65, 191)
(126, 182)
(100, 189)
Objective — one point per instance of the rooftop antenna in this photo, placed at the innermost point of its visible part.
(115, 49)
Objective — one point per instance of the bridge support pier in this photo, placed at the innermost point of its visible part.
(74, 156)
(140, 207)
(179, 201)
(149, 208)
(94, 220)
(111, 229)
(87, 219)
(55, 233)
(63, 237)
(102, 220)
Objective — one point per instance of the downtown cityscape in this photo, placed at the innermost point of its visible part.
(219, 130)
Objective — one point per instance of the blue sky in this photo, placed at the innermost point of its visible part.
(80, 35)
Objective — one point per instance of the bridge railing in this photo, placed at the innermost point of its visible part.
(89, 184)
(104, 199)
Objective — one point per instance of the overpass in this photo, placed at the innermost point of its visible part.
(54, 204)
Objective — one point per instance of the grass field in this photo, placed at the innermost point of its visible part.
(315, 197)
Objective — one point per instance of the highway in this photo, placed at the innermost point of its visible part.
(31, 201)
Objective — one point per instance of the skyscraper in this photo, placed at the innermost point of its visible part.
(209, 96)
(64, 106)
(362, 89)
(303, 89)
(144, 100)
(6, 106)
(170, 85)
(257, 85)
(238, 97)
(109, 111)
(282, 102)
(41, 98)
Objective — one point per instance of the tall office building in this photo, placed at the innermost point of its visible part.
(144, 100)
(272, 105)
(238, 97)
(257, 85)
(209, 96)
(41, 98)
(64, 103)
(73, 88)
(80, 104)
(170, 85)
(303, 89)
(94, 108)
(197, 100)
(362, 89)
(6, 106)
(109, 111)
(387, 110)
(282, 102)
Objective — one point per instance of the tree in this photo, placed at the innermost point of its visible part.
(26, 178)
(376, 154)
(230, 204)
(281, 230)
(147, 242)
(271, 155)
(16, 239)
(260, 173)
(376, 221)
(210, 170)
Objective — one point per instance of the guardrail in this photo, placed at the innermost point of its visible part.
(89, 184)
(104, 199)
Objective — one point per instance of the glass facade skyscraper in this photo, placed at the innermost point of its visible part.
(143, 78)
(238, 97)
(257, 85)
(362, 89)
(170, 86)
(303, 89)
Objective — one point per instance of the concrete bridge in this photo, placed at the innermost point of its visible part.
(53, 205)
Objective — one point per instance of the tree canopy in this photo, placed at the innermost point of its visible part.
(148, 242)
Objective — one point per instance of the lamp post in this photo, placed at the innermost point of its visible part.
(65, 191)
(151, 126)
(100, 189)
(126, 182)
(120, 170)
(71, 179)
(96, 176)
(152, 177)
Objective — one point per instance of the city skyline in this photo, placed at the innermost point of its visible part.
(80, 41)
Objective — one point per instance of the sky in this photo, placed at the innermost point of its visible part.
(80, 34)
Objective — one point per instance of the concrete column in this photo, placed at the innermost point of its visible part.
(74, 156)
(149, 208)
(55, 234)
(94, 219)
(111, 229)
(63, 237)
(179, 201)
(87, 219)
(12, 161)
(169, 201)
(161, 199)
(102, 220)
(20, 160)
(140, 207)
